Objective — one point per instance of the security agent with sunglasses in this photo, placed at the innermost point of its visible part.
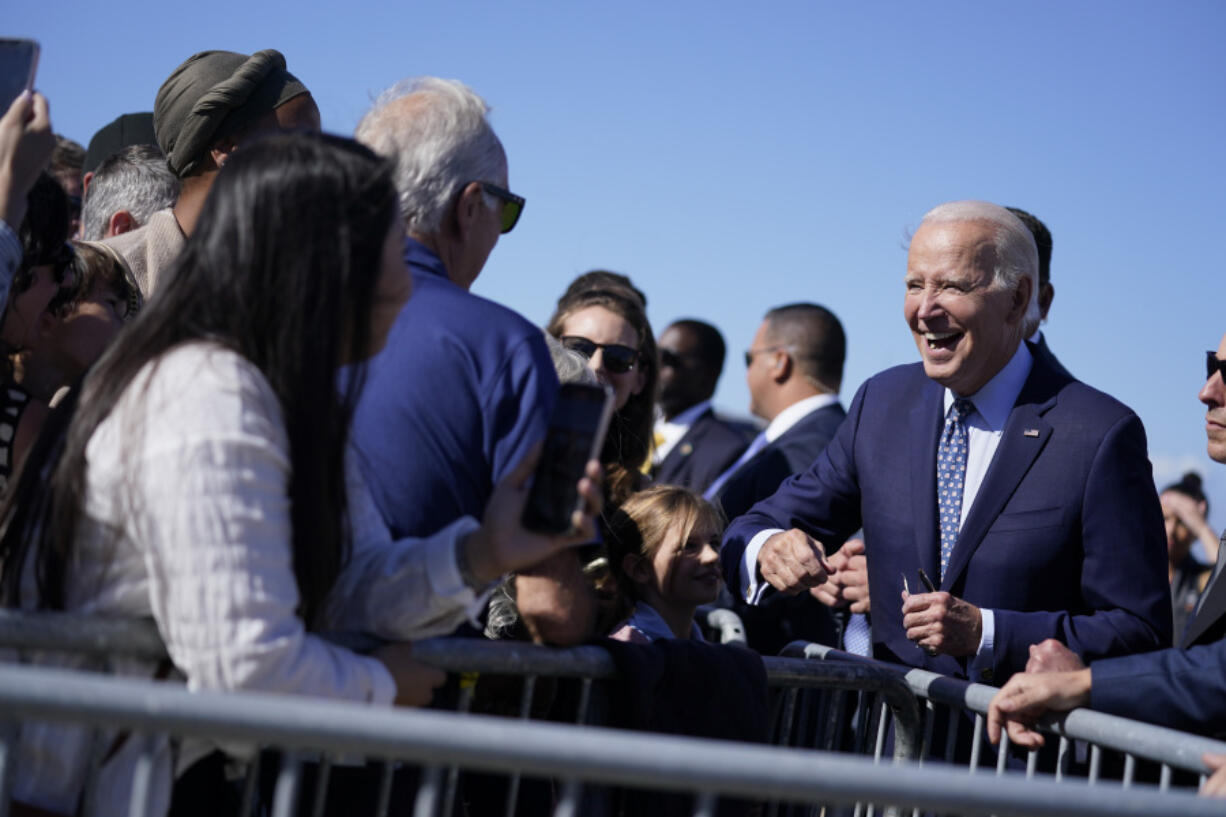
(794, 368)
(693, 445)
(1182, 687)
(465, 386)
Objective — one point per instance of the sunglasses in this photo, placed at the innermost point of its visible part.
(1214, 364)
(617, 359)
(512, 205)
(750, 354)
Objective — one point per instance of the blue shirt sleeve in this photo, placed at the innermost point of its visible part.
(10, 260)
(518, 407)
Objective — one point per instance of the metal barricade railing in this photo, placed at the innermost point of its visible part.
(1084, 736)
(842, 702)
(708, 770)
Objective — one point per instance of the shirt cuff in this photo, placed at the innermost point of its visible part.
(985, 657)
(382, 690)
(444, 569)
(10, 259)
(753, 589)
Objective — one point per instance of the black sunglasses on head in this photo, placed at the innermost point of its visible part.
(1213, 364)
(512, 205)
(617, 359)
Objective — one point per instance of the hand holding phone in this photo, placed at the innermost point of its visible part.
(576, 434)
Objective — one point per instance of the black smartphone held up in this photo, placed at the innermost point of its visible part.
(576, 434)
(18, 63)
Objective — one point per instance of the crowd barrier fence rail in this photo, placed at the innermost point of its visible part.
(1082, 733)
(592, 755)
(839, 702)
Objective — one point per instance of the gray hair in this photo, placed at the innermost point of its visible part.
(135, 179)
(570, 365)
(436, 132)
(1016, 253)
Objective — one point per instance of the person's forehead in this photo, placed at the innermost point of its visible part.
(679, 338)
(952, 248)
(1221, 348)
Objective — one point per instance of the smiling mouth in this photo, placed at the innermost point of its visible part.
(941, 340)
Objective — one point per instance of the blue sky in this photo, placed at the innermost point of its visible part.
(732, 157)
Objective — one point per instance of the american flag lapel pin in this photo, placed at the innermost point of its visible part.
(1030, 432)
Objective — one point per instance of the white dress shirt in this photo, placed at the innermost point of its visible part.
(187, 520)
(993, 404)
(670, 432)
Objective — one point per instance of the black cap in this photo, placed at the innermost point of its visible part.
(128, 129)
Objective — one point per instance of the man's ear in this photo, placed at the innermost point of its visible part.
(469, 205)
(220, 152)
(781, 367)
(1046, 293)
(1021, 299)
(121, 222)
(85, 180)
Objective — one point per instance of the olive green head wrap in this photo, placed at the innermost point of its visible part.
(214, 93)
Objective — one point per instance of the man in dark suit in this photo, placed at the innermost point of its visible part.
(1025, 495)
(1046, 292)
(693, 445)
(794, 369)
(1182, 687)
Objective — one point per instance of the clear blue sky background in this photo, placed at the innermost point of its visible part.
(735, 156)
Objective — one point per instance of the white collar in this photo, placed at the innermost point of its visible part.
(796, 412)
(686, 418)
(996, 398)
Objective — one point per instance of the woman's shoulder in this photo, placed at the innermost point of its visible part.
(199, 390)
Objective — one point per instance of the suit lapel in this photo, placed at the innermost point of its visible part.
(926, 421)
(1212, 606)
(684, 446)
(1025, 435)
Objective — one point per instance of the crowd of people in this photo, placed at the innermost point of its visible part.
(249, 394)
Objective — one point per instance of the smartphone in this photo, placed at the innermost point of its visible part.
(576, 434)
(18, 63)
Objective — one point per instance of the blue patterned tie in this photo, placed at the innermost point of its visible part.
(951, 473)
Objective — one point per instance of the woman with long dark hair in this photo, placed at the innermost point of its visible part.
(203, 479)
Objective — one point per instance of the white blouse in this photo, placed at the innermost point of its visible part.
(187, 519)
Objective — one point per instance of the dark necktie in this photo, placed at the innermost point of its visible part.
(951, 475)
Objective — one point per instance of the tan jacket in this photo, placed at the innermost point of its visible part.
(150, 249)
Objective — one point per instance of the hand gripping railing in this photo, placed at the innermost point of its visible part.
(1169, 748)
(709, 769)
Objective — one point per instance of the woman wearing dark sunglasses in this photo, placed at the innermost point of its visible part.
(611, 330)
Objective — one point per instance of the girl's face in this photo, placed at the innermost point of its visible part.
(687, 572)
(606, 328)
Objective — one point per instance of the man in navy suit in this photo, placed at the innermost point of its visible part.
(1046, 292)
(794, 369)
(1025, 495)
(1182, 687)
(693, 444)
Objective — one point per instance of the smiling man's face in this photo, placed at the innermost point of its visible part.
(965, 324)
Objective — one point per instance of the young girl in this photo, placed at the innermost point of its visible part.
(664, 549)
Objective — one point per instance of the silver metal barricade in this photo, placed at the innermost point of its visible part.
(707, 769)
(1084, 736)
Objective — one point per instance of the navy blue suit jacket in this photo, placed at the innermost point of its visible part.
(709, 447)
(794, 451)
(1184, 687)
(1064, 540)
